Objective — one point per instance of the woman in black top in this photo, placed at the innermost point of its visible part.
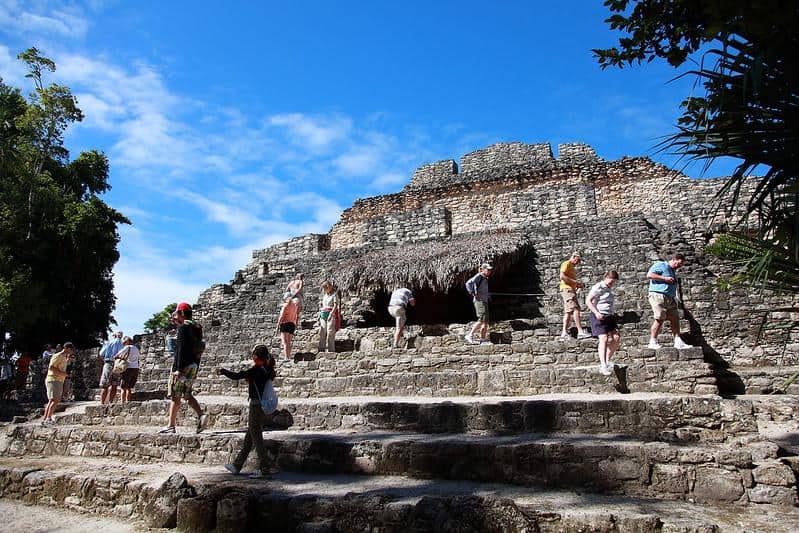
(263, 370)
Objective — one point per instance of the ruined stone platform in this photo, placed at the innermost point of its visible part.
(334, 502)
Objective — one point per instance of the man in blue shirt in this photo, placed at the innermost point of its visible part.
(108, 379)
(663, 282)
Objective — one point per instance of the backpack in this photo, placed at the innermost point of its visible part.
(199, 344)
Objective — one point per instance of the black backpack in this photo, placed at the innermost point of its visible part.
(199, 344)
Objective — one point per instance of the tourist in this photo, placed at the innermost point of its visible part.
(398, 308)
(108, 380)
(329, 317)
(287, 324)
(184, 370)
(663, 281)
(569, 284)
(23, 367)
(47, 354)
(131, 354)
(477, 287)
(258, 376)
(603, 322)
(294, 290)
(54, 382)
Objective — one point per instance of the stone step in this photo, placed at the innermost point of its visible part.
(212, 499)
(605, 464)
(759, 380)
(686, 418)
(458, 376)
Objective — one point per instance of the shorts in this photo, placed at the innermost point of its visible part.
(129, 378)
(570, 303)
(181, 386)
(663, 306)
(481, 310)
(108, 377)
(603, 327)
(399, 313)
(55, 389)
(288, 327)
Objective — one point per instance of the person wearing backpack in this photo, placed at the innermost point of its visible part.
(184, 369)
(263, 401)
(477, 287)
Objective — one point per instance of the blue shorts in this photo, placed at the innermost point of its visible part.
(603, 327)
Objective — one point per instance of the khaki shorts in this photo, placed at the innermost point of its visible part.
(399, 313)
(570, 303)
(108, 378)
(663, 306)
(55, 389)
(481, 310)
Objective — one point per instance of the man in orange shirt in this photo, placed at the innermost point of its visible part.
(568, 292)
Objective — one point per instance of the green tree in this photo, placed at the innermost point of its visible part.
(160, 321)
(58, 239)
(744, 57)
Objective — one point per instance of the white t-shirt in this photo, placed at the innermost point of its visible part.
(604, 298)
(133, 356)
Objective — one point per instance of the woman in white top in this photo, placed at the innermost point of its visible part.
(131, 354)
(603, 323)
(329, 317)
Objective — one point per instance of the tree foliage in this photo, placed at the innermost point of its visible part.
(160, 321)
(746, 61)
(58, 239)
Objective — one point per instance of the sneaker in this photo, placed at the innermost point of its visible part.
(202, 423)
(605, 370)
(583, 335)
(681, 344)
(168, 429)
(564, 337)
(469, 339)
(233, 469)
(653, 345)
(486, 341)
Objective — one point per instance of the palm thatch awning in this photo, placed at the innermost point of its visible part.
(436, 264)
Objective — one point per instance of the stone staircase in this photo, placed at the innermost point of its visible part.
(522, 434)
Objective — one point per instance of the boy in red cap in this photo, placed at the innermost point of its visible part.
(184, 370)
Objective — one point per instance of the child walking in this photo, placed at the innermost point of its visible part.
(258, 375)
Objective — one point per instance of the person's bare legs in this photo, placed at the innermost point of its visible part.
(50, 409)
(602, 349)
(194, 404)
(614, 340)
(576, 316)
(113, 394)
(104, 396)
(172, 416)
(566, 317)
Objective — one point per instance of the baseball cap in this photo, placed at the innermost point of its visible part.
(183, 306)
(487, 266)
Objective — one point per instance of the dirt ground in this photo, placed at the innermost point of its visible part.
(40, 519)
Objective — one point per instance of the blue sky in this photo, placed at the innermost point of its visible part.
(234, 125)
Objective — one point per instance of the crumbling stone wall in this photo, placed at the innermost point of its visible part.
(508, 154)
(621, 214)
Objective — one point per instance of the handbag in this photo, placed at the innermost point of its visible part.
(268, 400)
(120, 365)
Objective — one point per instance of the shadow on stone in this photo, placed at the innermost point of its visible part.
(621, 379)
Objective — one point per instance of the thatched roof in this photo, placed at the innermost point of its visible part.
(437, 264)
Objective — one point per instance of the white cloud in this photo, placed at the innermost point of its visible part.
(42, 19)
(313, 133)
(360, 161)
(11, 69)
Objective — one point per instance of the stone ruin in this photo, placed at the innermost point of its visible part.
(441, 435)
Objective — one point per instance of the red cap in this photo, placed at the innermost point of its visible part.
(183, 306)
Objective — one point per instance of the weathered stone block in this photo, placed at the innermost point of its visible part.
(775, 474)
(715, 485)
